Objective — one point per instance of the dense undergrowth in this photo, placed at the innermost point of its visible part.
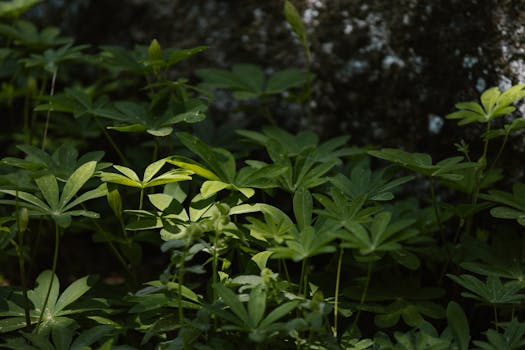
(282, 241)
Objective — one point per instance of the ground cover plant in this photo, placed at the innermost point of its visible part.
(285, 242)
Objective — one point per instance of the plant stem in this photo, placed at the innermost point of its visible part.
(500, 151)
(363, 296)
(112, 142)
(440, 225)
(308, 86)
(436, 209)
(115, 251)
(302, 278)
(155, 149)
(285, 268)
(48, 116)
(180, 281)
(141, 200)
(21, 262)
(479, 178)
(215, 263)
(337, 283)
(53, 271)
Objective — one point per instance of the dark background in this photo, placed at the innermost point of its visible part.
(386, 70)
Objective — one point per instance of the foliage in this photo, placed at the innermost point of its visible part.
(288, 242)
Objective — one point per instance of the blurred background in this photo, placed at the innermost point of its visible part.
(386, 71)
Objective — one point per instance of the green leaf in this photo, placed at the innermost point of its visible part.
(492, 291)
(15, 8)
(76, 181)
(72, 293)
(38, 295)
(221, 162)
(233, 302)
(261, 258)
(98, 192)
(251, 76)
(209, 188)
(284, 80)
(160, 131)
(12, 323)
(153, 169)
(458, 322)
(190, 164)
(115, 202)
(256, 305)
(49, 187)
(489, 98)
(278, 313)
(302, 207)
(294, 19)
(90, 336)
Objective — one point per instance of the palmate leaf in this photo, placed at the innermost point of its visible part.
(78, 102)
(51, 59)
(301, 160)
(449, 169)
(492, 291)
(277, 226)
(15, 8)
(248, 81)
(514, 203)
(306, 243)
(26, 34)
(513, 337)
(251, 319)
(425, 337)
(136, 117)
(128, 177)
(413, 313)
(56, 307)
(379, 236)
(377, 185)
(62, 163)
(221, 171)
(494, 103)
(58, 205)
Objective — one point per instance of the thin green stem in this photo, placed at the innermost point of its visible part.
(48, 116)
(141, 200)
(180, 281)
(53, 271)
(449, 258)
(308, 85)
(285, 268)
(114, 250)
(479, 177)
(337, 284)
(302, 277)
(156, 147)
(440, 225)
(215, 263)
(112, 142)
(363, 296)
(436, 209)
(500, 152)
(21, 261)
